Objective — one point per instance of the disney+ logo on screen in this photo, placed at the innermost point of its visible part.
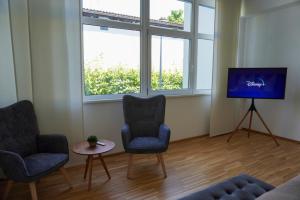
(259, 83)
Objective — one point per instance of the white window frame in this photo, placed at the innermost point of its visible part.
(146, 32)
(197, 36)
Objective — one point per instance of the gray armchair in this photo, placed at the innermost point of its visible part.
(25, 155)
(144, 131)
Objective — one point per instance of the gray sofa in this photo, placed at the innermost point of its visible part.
(245, 187)
(287, 191)
(242, 187)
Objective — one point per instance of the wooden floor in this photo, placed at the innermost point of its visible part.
(191, 165)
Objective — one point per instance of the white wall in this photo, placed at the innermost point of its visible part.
(8, 93)
(186, 116)
(272, 40)
(15, 70)
(21, 47)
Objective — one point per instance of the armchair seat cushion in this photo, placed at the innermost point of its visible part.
(43, 163)
(146, 145)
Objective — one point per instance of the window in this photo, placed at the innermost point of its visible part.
(204, 63)
(206, 20)
(172, 14)
(205, 43)
(142, 47)
(104, 72)
(169, 63)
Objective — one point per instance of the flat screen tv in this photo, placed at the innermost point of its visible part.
(256, 83)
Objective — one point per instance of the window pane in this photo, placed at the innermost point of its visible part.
(111, 60)
(169, 63)
(117, 10)
(206, 20)
(171, 14)
(204, 64)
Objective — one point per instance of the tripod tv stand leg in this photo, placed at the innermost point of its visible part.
(265, 125)
(251, 110)
(250, 123)
(238, 126)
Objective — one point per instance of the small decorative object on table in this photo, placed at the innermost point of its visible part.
(92, 140)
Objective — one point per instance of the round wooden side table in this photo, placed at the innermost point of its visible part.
(83, 148)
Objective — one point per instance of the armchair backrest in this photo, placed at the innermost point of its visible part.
(144, 115)
(18, 128)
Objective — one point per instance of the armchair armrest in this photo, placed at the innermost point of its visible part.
(13, 165)
(53, 144)
(164, 134)
(126, 136)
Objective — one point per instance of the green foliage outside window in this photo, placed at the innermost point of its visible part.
(111, 81)
(176, 17)
(170, 81)
(122, 80)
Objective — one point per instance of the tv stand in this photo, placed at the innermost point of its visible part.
(252, 109)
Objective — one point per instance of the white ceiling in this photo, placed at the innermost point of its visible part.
(252, 7)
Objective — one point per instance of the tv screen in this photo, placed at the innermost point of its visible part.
(258, 83)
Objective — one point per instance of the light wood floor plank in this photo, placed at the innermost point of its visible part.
(191, 165)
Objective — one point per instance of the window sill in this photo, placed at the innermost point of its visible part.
(118, 98)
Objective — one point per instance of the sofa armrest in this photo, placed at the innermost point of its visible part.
(13, 165)
(164, 134)
(53, 144)
(287, 191)
(126, 135)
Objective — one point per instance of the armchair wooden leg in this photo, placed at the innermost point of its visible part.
(66, 176)
(33, 192)
(158, 159)
(161, 159)
(129, 166)
(7, 189)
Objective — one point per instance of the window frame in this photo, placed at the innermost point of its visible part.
(146, 33)
(201, 36)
